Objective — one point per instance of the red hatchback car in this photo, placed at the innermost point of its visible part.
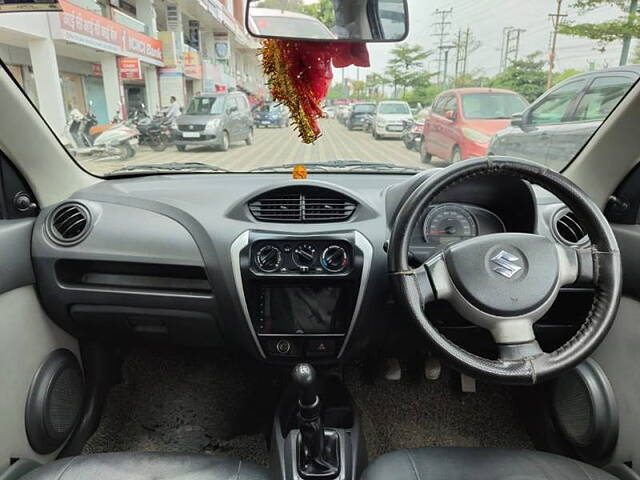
(463, 120)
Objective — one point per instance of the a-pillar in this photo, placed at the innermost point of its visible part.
(112, 87)
(48, 88)
(151, 89)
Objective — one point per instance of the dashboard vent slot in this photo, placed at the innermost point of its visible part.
(69, 224)
(568, 229)
(302, 205)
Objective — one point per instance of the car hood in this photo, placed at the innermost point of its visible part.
(196, 119)
(488, 127)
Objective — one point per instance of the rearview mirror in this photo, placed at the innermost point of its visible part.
(330, 20)
(450, 115)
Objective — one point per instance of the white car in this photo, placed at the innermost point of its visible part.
(389, 119)
(283, 23)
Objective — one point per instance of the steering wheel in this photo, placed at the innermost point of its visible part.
(506, 282)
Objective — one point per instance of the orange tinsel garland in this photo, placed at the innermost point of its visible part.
(300, 74)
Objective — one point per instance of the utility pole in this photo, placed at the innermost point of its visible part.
(445, 50)
(503, 48)
(441, 28)
(511, 46)
(459, 59)
(626, 43)
(467, 45)
(556, 20)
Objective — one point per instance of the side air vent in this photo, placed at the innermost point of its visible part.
(567, 228)
(69, 224)
(302, 205)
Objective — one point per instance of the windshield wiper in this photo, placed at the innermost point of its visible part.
(353, 165)
(166, 167)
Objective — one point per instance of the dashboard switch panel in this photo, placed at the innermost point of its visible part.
(302, 257)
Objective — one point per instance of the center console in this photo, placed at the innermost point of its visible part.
(301, 294)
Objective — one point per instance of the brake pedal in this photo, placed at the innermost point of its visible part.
(467, 383)
(392, 370)
(432, 368)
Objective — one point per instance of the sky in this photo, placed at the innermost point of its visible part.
(487, 19)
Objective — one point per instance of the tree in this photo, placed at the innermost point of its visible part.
(527, 76)
(623, 28)
(323, 11)
(376, 84)
(405, 64)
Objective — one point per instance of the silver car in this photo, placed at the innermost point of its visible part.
(215, 120)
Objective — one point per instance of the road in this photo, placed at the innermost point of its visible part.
(274, 147)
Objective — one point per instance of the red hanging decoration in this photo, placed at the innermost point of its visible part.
(300, 76)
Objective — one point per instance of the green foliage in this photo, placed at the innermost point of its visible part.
(289, 5)
(527, 76)
(323, 11)
(405, 68)
(626, 26)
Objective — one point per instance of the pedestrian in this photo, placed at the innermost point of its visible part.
(174, 108)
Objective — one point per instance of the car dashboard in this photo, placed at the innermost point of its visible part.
(282, 269)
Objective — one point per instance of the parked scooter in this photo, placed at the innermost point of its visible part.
(118, 142)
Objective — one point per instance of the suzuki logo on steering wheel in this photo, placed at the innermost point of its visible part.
(505, 264)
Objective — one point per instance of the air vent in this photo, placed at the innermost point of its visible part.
(302, 205)
(69, 224)
(568, 229)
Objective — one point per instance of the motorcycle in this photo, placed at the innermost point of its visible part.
(412, 135)
(116, 142)
(367, 123)
(155, 132)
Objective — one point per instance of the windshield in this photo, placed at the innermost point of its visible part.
(394, 109)
(205, 106)
(530, 79)
(491, 105)
(369, 108)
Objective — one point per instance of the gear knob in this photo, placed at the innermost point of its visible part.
(305, 377)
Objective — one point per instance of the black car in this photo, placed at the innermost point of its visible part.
(356, 118)
(556, 125)
(271, 115)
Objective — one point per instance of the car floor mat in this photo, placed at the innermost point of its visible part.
(414, 412)
(189, 401)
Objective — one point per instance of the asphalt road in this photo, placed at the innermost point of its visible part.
(275, 147)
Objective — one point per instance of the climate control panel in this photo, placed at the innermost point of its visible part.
(305, 256)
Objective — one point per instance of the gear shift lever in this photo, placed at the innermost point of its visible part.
(318, 452)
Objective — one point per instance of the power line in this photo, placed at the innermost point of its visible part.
(510, 50)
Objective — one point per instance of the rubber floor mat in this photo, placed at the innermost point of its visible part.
(414, 412)
(190, 401)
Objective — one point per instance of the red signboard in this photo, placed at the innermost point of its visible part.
(90, 29)
(129, 68)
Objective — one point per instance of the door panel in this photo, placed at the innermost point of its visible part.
(27, 335)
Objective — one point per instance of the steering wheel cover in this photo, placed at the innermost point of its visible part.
(604, 251)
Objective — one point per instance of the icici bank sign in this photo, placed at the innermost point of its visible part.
(86, 28)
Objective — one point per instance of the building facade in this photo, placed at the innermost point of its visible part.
(113, 56)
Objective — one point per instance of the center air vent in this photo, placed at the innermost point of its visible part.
(302, 205)
(567, 228)
(69, 224)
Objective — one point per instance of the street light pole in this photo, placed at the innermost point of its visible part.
(445, 49)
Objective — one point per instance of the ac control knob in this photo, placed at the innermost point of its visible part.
(304, 255)
(334, 259)
(269, 258)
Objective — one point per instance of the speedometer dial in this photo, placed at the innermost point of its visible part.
(449, 223)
